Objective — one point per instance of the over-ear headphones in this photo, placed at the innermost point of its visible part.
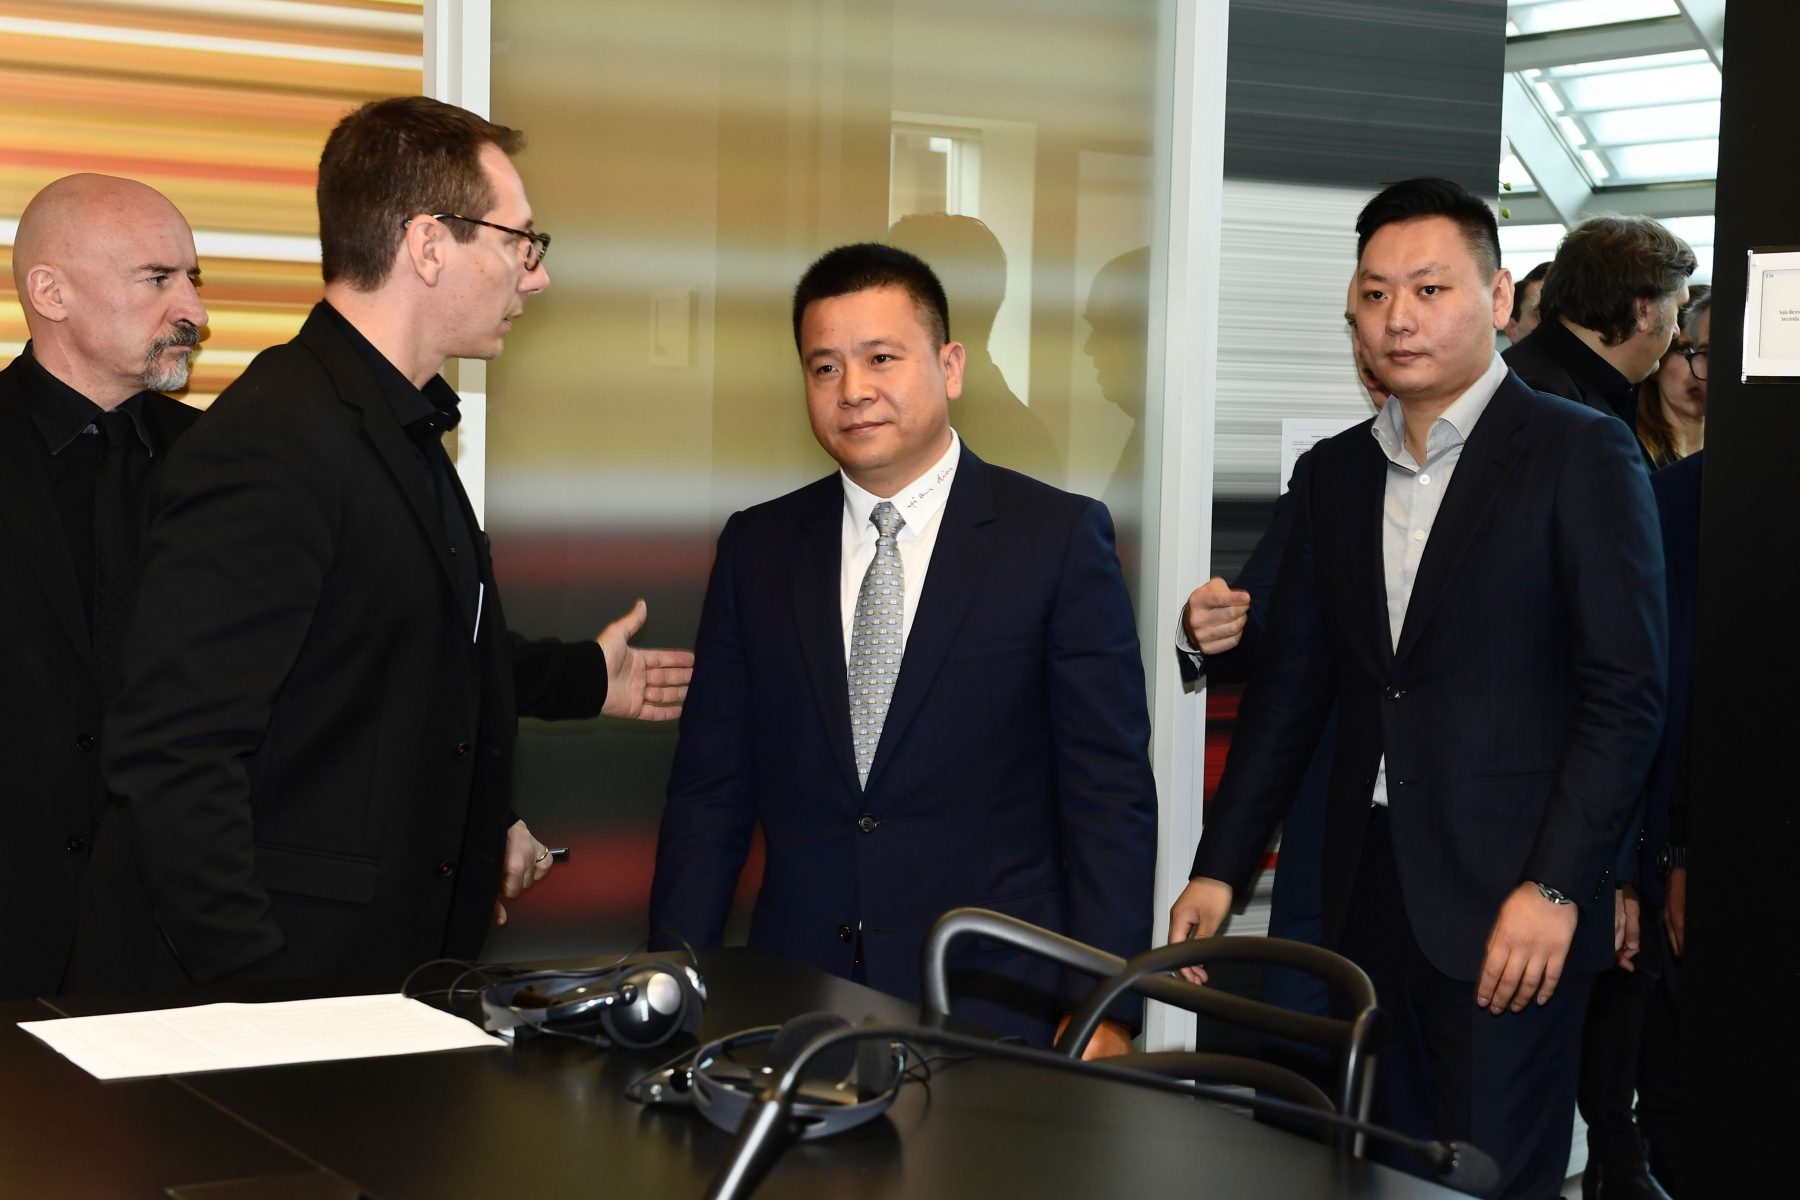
(637, 1004)
(847, 1085)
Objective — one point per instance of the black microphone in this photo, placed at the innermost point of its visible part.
(769, 1127)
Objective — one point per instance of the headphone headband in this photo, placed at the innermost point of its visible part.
(839, 1092)
(639, 1003)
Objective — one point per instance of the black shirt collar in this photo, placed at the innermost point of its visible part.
(63, 414)
(1590, 370)
(420, 411)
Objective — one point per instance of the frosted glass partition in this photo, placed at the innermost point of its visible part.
(691, 159)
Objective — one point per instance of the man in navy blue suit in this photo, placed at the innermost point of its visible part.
(921, 675)
(1476, 580)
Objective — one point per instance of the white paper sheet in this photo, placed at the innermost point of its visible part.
(226, 1037)
(1300, 434)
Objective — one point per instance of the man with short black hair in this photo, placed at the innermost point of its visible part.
(107, 276)
(1525, 313)
(1475, 579)
(920, 675)
(1608, 312)
(312, 756)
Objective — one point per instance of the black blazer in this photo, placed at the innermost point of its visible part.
(1519, 711)
(50, 705)
(312, 753)
(1013, 768)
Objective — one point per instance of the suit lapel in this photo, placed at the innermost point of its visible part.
(958, 562)
(30, 514)
(1486, 457)
(818, 614)
(355, 387)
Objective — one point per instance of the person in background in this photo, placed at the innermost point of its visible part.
(106, 272)
(1526, 294)
(1672, 402)
(1608, 310)
(1220, 638)
(1629, 1047)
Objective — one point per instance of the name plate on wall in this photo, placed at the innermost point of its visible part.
(1772, 316)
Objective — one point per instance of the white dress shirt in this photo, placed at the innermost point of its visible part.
(1415, 492)
(921, 503)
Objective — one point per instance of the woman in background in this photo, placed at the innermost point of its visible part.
(1671, 417)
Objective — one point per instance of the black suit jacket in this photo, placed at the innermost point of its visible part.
(313, 751)
(50, 705)
(1520, 709)
(1551, 359)
(1012, 771)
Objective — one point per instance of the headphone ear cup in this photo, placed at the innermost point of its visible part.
(831, 1066)
(656, 1014)
(874, 1067)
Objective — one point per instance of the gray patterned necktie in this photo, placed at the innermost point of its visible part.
(877, 638)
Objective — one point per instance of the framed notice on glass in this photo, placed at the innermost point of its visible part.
(1772, 316)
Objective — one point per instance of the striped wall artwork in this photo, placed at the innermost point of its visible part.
(223, 106)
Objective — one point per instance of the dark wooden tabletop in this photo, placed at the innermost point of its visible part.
(549, 1118)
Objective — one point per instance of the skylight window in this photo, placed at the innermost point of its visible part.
(1552, 16)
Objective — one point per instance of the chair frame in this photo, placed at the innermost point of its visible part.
(1149, 974)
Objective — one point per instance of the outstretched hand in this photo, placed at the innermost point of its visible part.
(642, 685)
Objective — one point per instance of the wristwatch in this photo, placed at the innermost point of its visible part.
(1551, 894)
(1669, 858)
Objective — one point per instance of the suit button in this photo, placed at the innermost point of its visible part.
(866, 823)
(446, 869)
(75, 845)
(1394, 693)
(461, 751)
(844, 932)
(86, 741)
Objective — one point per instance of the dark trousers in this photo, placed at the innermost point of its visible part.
(1629, 1046)
(1450, 1070)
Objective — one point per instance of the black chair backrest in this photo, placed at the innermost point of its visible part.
(1148, 974)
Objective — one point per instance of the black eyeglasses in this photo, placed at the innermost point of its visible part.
(536, 244)
(1696, 358)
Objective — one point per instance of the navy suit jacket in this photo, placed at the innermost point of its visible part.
(1677, 489)
(1521, 707)
(1012, 771)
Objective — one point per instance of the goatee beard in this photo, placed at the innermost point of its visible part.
(173, 377)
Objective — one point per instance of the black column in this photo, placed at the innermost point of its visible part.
(1739, 1002)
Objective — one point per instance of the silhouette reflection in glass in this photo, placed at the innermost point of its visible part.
(968, 260)
(1118, 317)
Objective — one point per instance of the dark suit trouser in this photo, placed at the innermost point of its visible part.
(1659, 1065)
(1628, 1047)
(1450, 1070)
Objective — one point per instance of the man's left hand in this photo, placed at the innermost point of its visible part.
(1525, 951)
(1627, 912)
(527, 861)
(643, 685)
(1110, 1039)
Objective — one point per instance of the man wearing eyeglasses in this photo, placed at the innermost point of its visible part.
(311, 758)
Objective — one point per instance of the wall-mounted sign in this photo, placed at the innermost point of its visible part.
(1772, 316)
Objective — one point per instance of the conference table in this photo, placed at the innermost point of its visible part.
(548, 1117)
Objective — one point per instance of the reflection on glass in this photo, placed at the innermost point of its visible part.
(693, 159)
(969, 262)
